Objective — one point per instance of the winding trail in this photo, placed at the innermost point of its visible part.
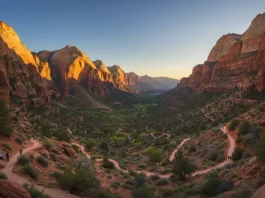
(8, 171)
(231, 149)
(56, 192)
(164, 134)
(207, 116)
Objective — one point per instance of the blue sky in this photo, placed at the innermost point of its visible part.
(154, 37)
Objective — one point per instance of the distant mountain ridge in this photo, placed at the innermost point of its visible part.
(35, 77)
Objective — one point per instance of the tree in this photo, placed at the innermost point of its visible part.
(237, 155)
(182, 166)
(244, 128)
(5, 128)
(260, 147)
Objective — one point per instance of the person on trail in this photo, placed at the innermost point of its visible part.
(21, 151)
(1, 156)
(7, 156)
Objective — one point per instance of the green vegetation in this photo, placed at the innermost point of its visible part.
(3, 176)
(23, 159)
(107, 164)
(155, 155)
(48, 144)
(34, 192)
(19, 140)
(233, 124)
(237, 155)
(260, 147)
(90, 144)
(7, 146)
(143, 193)
(30, 171)
(182, 167)
(42, 161)
(5, 128)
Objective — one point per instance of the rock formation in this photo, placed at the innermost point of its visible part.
(235, 61)
(10, 189)
(20, 71)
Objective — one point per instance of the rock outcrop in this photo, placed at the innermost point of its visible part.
(10, 189)
(20, 71)
(234, 62)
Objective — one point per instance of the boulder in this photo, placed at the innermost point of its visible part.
(10, 189)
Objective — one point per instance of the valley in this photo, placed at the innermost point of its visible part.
(77, 128)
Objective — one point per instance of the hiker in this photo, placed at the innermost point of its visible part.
(7, 156)
(1, 156)
(21, 151)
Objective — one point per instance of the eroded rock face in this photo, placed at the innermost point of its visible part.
(10, 189)
(241, 65)
(19, 70)
(222, 46)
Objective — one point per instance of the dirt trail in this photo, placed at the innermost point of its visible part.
(207, 116)
(8, 171)
(232, 145)
(164, 134)
(231, 149)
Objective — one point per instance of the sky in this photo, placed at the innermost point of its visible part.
(148, 37)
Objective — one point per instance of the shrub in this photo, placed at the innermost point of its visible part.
(23, 159)
(7, 146)
(161, 182)
(233, 124)
(104, 146)
(56, 175)
(42, 161)
(75, 147)
(60, 166)
(90, 144)
(115, 184)
(237, 155)
(34, 192)
(243, 192)
(139, 180)
(260, 147)
(3, 176)
(30, 171)
(154, 177)
(220, 158)
(192, 148)
(107, 164)
(19, 140)
(44, 154)
(5, 128)
(156, 155)
(143, 193)
(53, 156)
(244, 128)
(62, 135)
(210, 186)
(48, 144)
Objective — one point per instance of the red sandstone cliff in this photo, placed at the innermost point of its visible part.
(235, 61)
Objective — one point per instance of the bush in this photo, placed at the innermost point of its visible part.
(233, 124)
(90, 144)
(260, 147)
(56, 175)
(62, 135)
(75, 147)
(154, 177)
(5, 128)
(30, 171)
(107, 164)
(44, 155)
(243, 192)
(115, 184)
(244, 128)
(42, 161)
(143, 193)
(3, 176)
(155, 155)
(34, 192)
(7, 146)
(210, 186)
(192, 148)
(19, 140)
(23, 159)
(48, 144)
(161, 182)
(53, 156)
(237, 155)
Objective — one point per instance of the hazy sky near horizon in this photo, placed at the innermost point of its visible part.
(153, 37)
